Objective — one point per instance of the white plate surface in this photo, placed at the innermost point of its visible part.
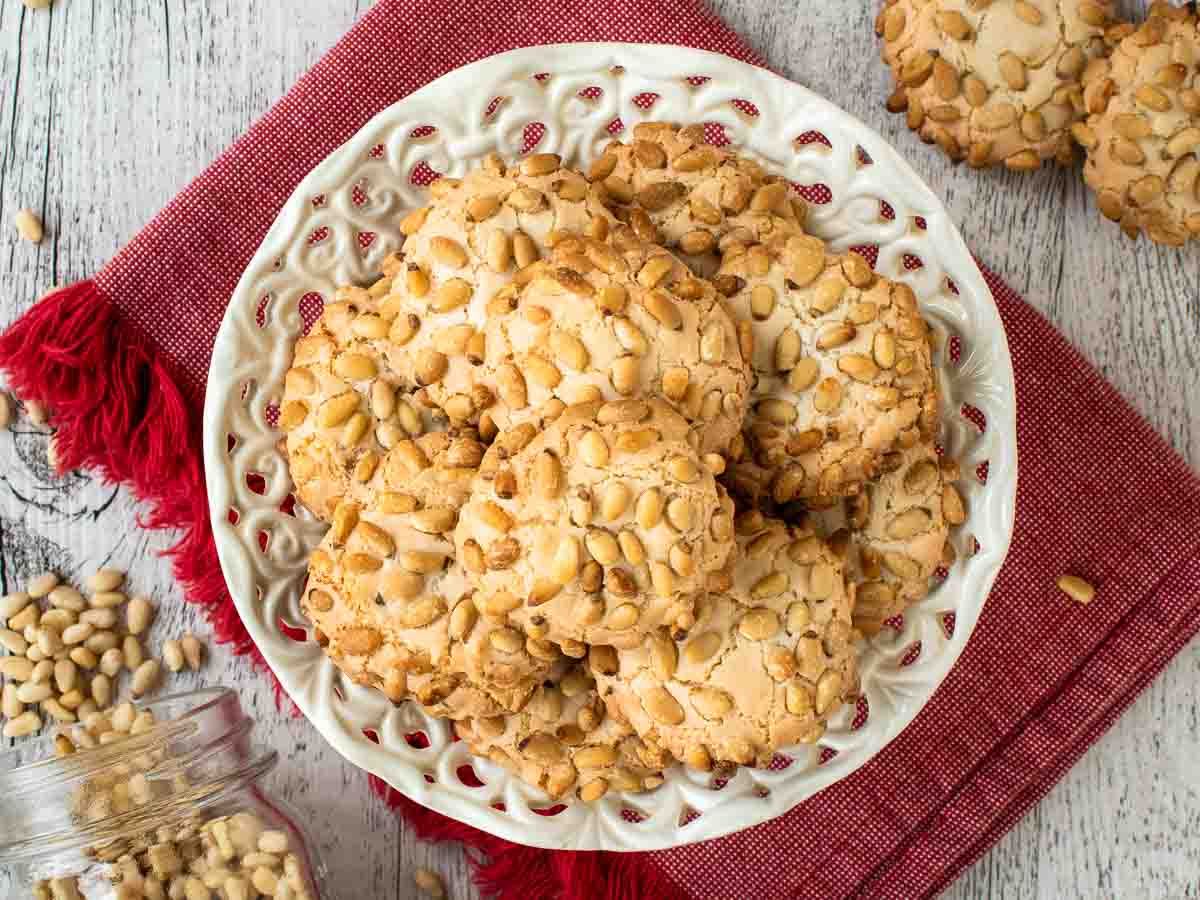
(364, 188)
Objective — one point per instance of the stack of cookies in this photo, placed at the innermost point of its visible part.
(1014, 81)
(620, 467)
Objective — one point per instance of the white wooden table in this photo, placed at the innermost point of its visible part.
(110, 108)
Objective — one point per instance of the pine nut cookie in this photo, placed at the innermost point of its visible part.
(473, 240)
(675, 189)
(1143, 135)
(841, 365)
(564, 738)
(603, 320)
(392, 609)
(602, 527)
(343, 408)
(768, 662)
(993, 82)
(895, 532)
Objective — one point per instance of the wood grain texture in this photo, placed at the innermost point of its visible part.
(109, 108)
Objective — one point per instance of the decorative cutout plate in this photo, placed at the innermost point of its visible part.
(572, 99)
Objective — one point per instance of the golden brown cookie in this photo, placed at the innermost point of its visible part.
(603, 320)
(675, 189)
(602, 527)
(895, 532)
(471, 241)
(565, 738)
(342, 410)
(1143, 135)
(768, 662)
(993, 82)
(842, 369)
(393, 611)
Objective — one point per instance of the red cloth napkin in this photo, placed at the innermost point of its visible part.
(122, 360)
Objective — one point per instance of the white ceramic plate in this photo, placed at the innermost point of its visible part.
(323, 238)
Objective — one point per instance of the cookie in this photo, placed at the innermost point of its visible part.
(343, 410)
(674, 189)
(993, 82)
(599, 529)
(1143, 135)
(394, 612)
(564, 738)
(895, 532)
(473, 239)
(603, 320)
(767, 664)
(841, 363)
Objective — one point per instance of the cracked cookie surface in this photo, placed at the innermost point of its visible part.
(842, 369)
(1143, 135)
(393, 611)
(604, 320)
(673, 188)
(598, 529)
(895, 533)
(564, 738)
(993, 82)
(767, 663)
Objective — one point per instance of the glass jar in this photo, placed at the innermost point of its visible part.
(168, 808)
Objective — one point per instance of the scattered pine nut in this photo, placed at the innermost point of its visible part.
(42, 585)
(1077, 589)
(38, 4)
(105, 579)
(29, 226)
(146, 676)
(193, 651)
(173, 655)
(8, 409)
(139, 615)
(430, 882)
(23, 725)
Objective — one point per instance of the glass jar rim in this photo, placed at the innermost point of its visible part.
(198, 725)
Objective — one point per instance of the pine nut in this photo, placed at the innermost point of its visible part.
(430, 883)
(42, 585)
(29, 226)
(193, 651)
(112, 661)
(139, 614)
(11, 604)
(146, 676)
(132, 652)
(173, 655)
(107, 600)
(13, 642)
(102, 690)
(106, 579)
(23, 725)
(1077, 589)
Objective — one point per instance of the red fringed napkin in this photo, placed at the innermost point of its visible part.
(122, 360)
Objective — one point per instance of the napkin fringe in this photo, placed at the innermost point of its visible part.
(507, 871)
(116, 408)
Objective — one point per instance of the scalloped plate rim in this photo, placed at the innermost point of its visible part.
(1003, 472)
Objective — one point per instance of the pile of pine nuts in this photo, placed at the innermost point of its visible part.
(232, 857)
(66, 652)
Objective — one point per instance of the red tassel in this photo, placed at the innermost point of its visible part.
(508, 871)
(116, 409)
